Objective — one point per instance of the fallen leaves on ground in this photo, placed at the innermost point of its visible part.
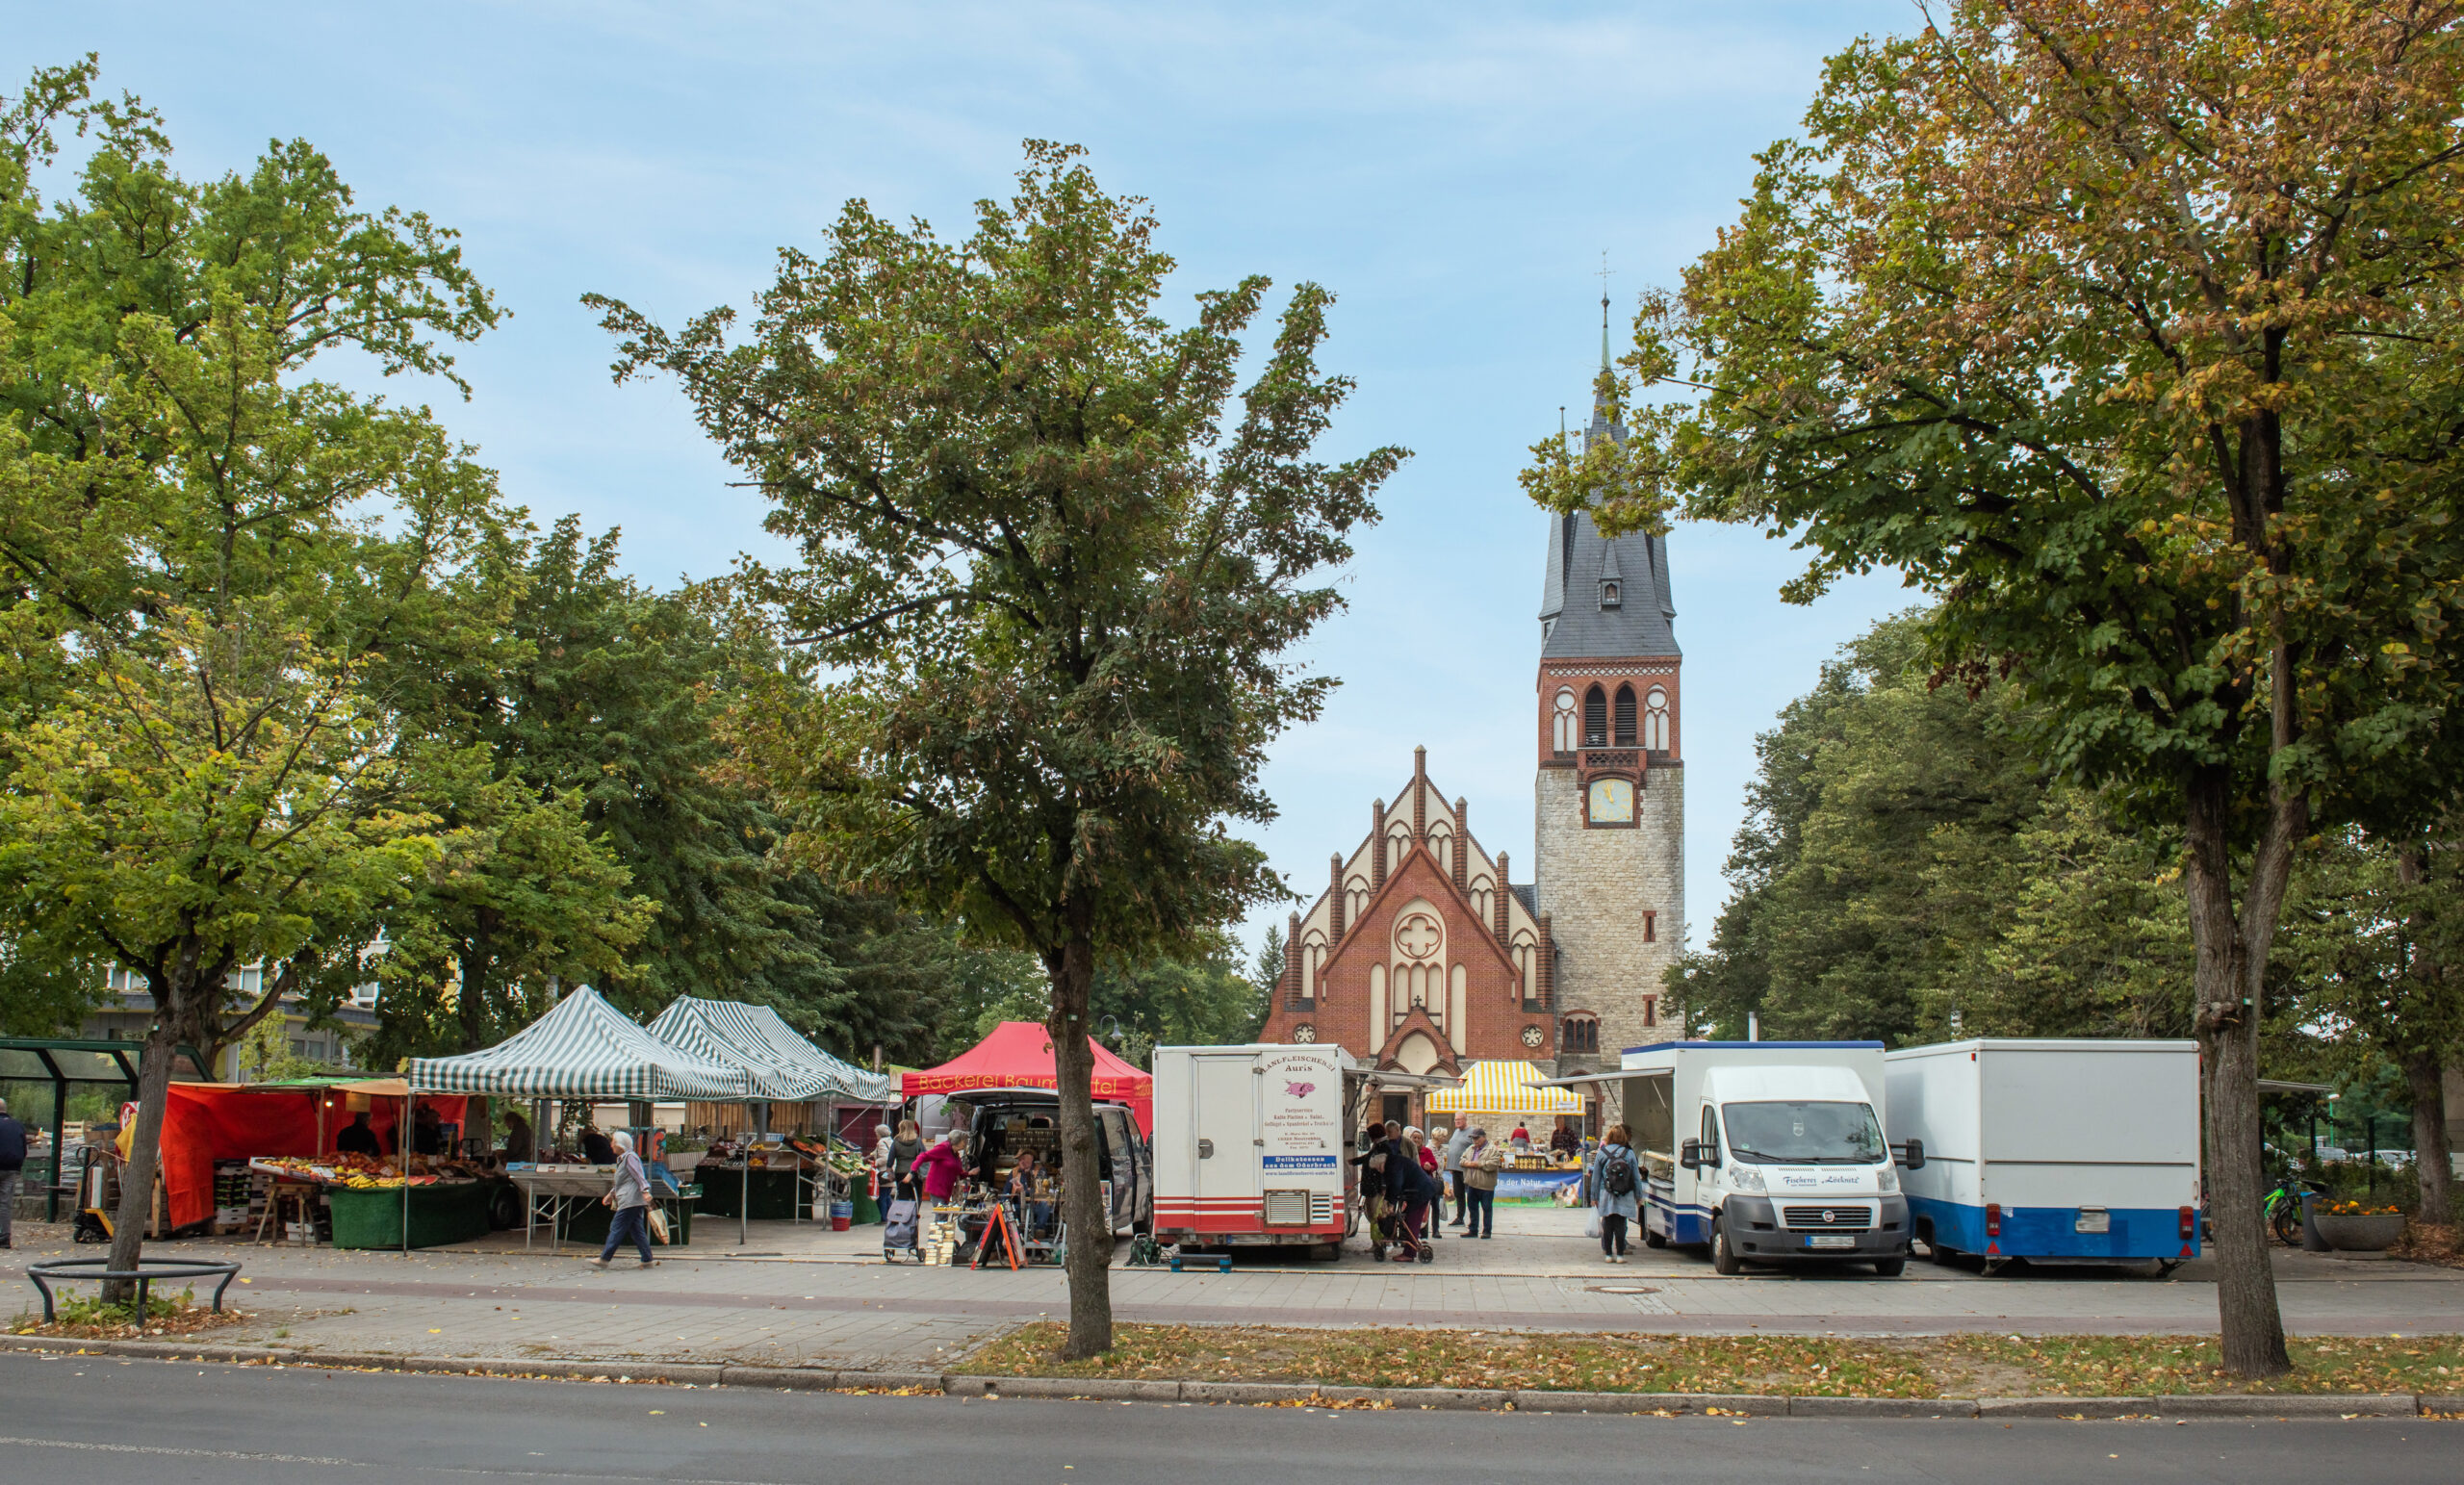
(1799, 1366)
(2150, 1365)
(1389, 1356)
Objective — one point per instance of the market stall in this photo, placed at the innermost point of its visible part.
(582, 1050)
(1019, 1053)
(778, 1176)
(1499, 1093)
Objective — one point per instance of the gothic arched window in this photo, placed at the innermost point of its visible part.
(1595, 718)
(1578, 1034)
(1655, 720)
(1625, 716)
(1562, 724)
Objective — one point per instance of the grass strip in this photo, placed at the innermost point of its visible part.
(1797, 1366)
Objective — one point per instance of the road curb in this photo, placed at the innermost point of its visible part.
(2182, 1405)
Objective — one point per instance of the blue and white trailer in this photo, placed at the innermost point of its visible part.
(2050, 1150)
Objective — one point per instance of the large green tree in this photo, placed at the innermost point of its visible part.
(2129, 328)
(1047, 584)
(1907, 871)
(210, 562)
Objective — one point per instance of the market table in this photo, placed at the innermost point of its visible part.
(372, 1216)
(775, 1195)
(573, 1209)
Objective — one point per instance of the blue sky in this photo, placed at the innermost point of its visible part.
(1454, 173)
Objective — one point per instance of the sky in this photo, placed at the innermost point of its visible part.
(1454, 173)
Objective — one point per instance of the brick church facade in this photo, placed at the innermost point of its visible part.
(1420, 953)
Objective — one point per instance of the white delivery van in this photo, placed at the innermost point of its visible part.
(1250, 1145)
(1767, 1151)
(2053, 1151)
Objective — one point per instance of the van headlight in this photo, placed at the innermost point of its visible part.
(1889, 1178)
(1745, 1178)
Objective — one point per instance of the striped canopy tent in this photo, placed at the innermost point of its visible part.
(785, 1067)
(1501, 1086)
(582, 1048)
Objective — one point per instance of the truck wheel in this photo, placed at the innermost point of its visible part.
(1654, 1239)
(1891, 1267)
(1328, 1252)
(1723, 1259)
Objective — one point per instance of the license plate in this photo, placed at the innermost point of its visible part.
(2093, 1220)
(1832, 1240)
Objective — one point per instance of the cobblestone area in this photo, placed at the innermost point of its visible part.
(799, 1296)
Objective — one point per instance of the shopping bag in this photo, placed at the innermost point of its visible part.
(658, 1225)
(1591, 1224)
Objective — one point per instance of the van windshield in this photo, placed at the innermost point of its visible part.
(1804, 1134)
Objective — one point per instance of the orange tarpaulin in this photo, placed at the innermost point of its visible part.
(1019, 1053)
(205, 1122)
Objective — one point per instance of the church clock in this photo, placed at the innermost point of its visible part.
(1612, 801)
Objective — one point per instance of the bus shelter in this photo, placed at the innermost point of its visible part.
(70, 1061)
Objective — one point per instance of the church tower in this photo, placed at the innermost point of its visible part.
(1609, 867)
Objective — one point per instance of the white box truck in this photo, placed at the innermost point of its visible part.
(2052, 1151)
(1250, 1145)
(1767, 1151)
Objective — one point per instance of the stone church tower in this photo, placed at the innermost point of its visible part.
(1609, 868)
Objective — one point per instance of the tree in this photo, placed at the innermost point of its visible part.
(1044, 591)
(207, 563)
(1907, 871)
(2130, 330)
(2371, 932)
(1200, 1000)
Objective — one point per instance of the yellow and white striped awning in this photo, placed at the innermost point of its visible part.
(1498, 1087)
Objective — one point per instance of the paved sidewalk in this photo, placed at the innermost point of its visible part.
(805, 1298)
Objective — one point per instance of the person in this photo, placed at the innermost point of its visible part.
(1482, 1159)
(358, 1138)
(630, 1196)
(12, 1164)
(1520, 1139)
(1455, 1145)
(903, 1149)
(1565, 1142)
(1617, 1180)
(1437, 1182)
(427, 1132)
(1025, 1188)
(1373, 1211)
(942, 1167)
(597, 1150)
(516, 1138)
(1408, 1189)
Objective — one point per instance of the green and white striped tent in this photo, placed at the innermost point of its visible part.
(784, 1066)
(583, 1048)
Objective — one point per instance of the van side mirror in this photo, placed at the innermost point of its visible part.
(1913, 1155)
(1689, 1155)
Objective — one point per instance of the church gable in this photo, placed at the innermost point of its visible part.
(1417, 928)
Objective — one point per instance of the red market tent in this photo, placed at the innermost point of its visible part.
(204, 1122)
(1019, 1053)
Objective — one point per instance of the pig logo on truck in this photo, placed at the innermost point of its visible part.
(1299, 1089)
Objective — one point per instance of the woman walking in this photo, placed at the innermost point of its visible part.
(1618, 1184)
(903, 1151)
(630, 1196)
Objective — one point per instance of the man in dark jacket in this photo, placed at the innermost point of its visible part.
(13, 1162)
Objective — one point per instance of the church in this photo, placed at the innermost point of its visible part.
(1423, 953)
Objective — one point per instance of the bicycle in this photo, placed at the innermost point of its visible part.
(2283, 1209)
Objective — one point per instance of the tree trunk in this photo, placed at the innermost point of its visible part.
(2227, 1019)
(1082, 1198)
(2425, 1078)
(144, 1158)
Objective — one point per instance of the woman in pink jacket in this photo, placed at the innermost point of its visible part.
(943, 1166)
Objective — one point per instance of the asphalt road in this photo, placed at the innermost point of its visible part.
(79, 1420)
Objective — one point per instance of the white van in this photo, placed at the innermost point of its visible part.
(2053, 1151)
(1767, 1151)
